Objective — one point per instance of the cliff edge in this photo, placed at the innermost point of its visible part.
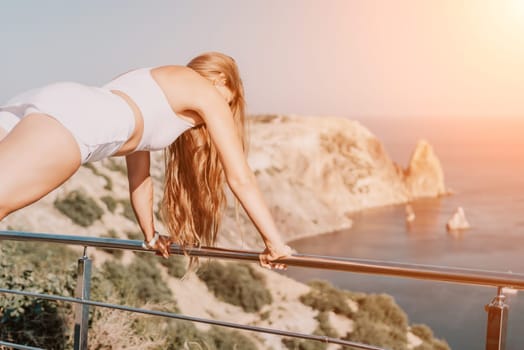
(316, 171)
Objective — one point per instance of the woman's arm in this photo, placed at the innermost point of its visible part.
(141, 194)
(219, 121)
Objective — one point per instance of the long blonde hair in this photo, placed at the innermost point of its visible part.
(193, 193)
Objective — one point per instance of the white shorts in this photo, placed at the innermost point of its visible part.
(100, 121)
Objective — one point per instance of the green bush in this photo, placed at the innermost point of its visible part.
(117, 166)
(323, 296)
(176, 266)
(184, 335)
(80, 208)
(109, 183)
(117, 253)
(110, 203)
(378, 334)
(382, 308)
(324, 329)
(426, 335)
(422, 331)
(380, 322)
(127, 208)
(297, 344)
(39, 268)
(237, 284)
(137, 283)
(223, 339)
(128, 212)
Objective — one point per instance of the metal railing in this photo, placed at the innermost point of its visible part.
(497, 309)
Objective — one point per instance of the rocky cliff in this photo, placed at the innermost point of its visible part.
(316, 171)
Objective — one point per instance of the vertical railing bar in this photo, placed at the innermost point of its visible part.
(497, 322)
(82, 292)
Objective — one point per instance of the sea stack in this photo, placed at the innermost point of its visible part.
(458, 221)
(424, 176)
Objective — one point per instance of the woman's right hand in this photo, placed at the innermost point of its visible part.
(269, 257)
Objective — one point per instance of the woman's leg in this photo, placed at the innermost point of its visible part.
(36, 156)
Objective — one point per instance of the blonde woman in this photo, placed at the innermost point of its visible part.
(194, 112)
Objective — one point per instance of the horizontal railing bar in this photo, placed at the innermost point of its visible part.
(194, 319)
(18, 346)
(416, 271)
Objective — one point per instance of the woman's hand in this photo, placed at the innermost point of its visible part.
(268, 257)
(162, 246)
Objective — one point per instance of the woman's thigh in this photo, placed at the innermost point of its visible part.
(36, 156)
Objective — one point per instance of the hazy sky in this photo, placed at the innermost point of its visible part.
(353, 58)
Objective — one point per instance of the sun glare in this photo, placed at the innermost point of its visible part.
(517, 7)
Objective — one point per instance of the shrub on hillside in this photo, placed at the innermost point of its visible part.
(128, 212)
(118, 166)
(136, 283)
(378, 334)
(380, 322)
(117, 253)
(110, 203)
(324, 329)
(181, 334)
(223, 339)
(176, 266)
(237, 284)
(426, 335)
(80, 208)
(323, 296)
(39, 268)
(382, 308)
(109, 183)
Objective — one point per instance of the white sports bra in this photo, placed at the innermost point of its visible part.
(161, 124)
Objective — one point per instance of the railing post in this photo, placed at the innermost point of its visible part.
(83, 285)
(498, 312)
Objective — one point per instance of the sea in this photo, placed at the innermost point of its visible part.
(483, 163)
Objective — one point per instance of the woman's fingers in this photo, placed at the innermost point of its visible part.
(266, 261)
(162, 247)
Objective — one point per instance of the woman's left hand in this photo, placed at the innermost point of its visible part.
(268, 257)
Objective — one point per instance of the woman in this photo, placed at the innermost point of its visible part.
(196, 112)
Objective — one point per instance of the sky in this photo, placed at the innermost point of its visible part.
(350, 58)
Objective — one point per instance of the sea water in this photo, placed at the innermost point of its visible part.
(483, 163)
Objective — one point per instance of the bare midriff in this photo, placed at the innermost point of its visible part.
(134, 140)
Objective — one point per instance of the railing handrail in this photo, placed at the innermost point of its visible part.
(386, 268)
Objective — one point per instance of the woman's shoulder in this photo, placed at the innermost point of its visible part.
(173, 76)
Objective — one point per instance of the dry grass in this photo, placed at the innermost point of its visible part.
(113, 329)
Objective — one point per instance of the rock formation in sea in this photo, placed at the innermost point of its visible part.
(410, 213)
(424, 176)
(458, 221)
